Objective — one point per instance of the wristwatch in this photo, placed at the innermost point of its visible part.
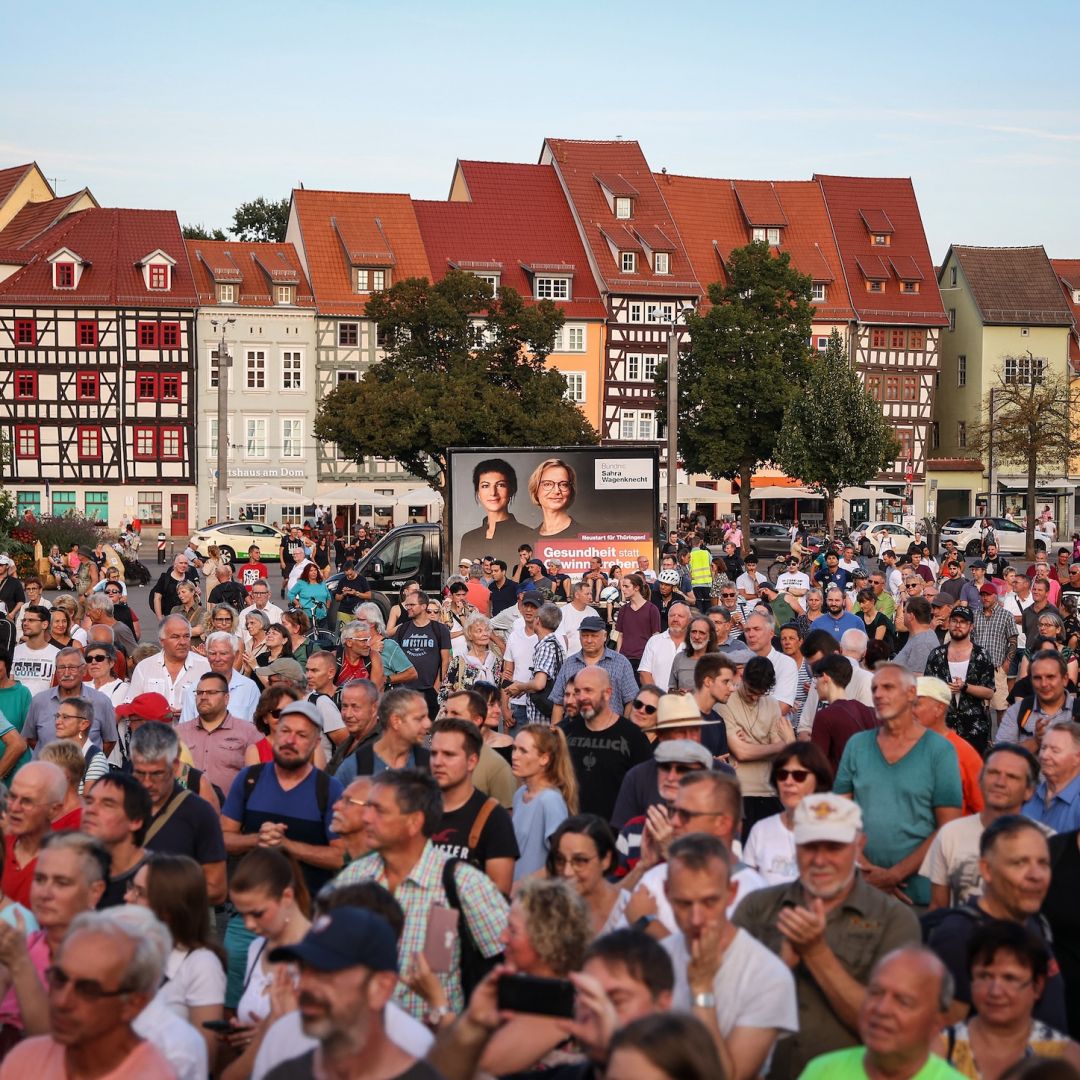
(704, 1001)
(434, 1016)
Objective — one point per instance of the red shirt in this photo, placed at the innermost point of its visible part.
(350, 670)
(479, 595)
(71, 820)
(17, 880)
(250, 572)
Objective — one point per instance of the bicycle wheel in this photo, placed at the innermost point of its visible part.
(775, 570)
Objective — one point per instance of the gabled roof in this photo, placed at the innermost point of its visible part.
(34, 218)
(516, 223)
(112, 241)
(759, 202)
(859, 206)
(1013, 285)
(339, 226)
(11, 178)
(1068, 272)
(256, 268)
(712, 223)
(579, 163)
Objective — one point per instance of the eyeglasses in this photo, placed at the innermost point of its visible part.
(88, 989)
(555, 485)
(578, 862)
(648, 710)
(97, 658)
(679, 767)
(1008, 982)
(203, 693)
(798, 775)
(67, 669)
(728, 595)
(679, 814)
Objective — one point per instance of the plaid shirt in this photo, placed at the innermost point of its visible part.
(482, 904)
(548, 657)
(993, 633)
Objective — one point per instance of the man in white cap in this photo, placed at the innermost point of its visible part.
(829, 925)
(932, 701)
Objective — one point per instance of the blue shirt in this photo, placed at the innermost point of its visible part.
(1063, 812)
(624, 685)
(837, 627)
(243, 698)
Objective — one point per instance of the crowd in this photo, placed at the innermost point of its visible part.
(682, 821)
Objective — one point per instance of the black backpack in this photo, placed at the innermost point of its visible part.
(322, 787)
(474, 964)
(7, 637)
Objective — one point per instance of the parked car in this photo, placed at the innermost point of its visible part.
(901, 535)
(1011, 536)
(233, 538)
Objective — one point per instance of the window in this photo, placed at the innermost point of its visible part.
(89, 442)
(362, 281)
(87, 387)
(213, 367)
(149, 504)
(896, 339)
(146, 388)
(881, 240)
(875, 286)
(26, 386)
(635, 424)
(147, 335)
(172, 443)
(817, 292)
(492, 280)
(255, 369)
(961, 370)
(877, 338)
(159, 276)
(170, 335)
(892, 387)
(648, 372)
(348, 333)
(910, 389)
(873, 387)
(623, 207)
(255, 437)
(292, 371)
(26, 442)
(63, 502)
(637, 310)
(226, 294)
(97, 505)
(822, 344)
(633, 367)
(575, 386)
(64, 275)
(952, 318)
(909, 287)
(552, 288)
(284, 294)
(293, 514)
(906, 438)
(758, 236)
(170, 388)
(25, 332)
(1025, 369)
(144, 441)
(662, 262)
(574, 339)
(378, 280)
(347, 376)
(935, 435)
(660, 313)
(627, 262)
(292, 434)
(961, 433)
(1076, 296)
(86, 333)
(952, 276)
(773, 236)
(916, 340)
(28, 500)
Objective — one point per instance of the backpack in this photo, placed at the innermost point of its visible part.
(7, 636)
(474, 964)
(322, 786)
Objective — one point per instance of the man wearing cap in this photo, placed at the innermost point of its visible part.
(829, 926)
(661, 649)
(535, 579)
(221, 652)
(836, 618)
(595, 653)
(782, 611)
(171, 670)
(932, 701)
(260, 601)
(220, 742)
(994, 631)
(282, 670)
(348, 974)
(940, 614)
(287, 803)
(969, 674)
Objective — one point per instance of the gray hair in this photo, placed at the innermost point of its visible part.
(353, 629)
(815, 592)
(147, 925)
(366, 686)
(455, 579)
(95, 859)
(479, 619)
(854, 642)
(760, 613)
(165, 625)
(143, 972)
(907, 678)
(263, 618)
(101, 628)
(219, 636)
(371, 613)
(550, 617)
(98, 601)
(155, 741)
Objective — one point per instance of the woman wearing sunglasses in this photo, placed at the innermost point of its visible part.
(799, 770)
(101, 673)
(643, 709)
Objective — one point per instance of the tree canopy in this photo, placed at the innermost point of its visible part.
(834, 434)
(461, 368)
(260, 220)
(748, 356)
(200, 232)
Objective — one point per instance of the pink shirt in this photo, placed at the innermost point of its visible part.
(43, 1057)
(219, 753)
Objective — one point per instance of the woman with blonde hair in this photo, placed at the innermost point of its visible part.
(211, 564)
(190, 608)
(67, 602)
(553, 486)
(481, 660)
(547, 796)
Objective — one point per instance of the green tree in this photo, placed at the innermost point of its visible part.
(260, 220)
(1029, 422)
(834, 434)
(201, 232)
(448, 379)
(748, 356)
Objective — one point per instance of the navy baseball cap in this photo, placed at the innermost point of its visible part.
(343, 938)
(592, 622)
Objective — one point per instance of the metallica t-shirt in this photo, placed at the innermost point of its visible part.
(601, 760)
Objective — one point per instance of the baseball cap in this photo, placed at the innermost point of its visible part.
(668, 577)
(962, 611)
(987, 590)
(767, 585)
(6, 560)
(978, 564)
(738, 654)
(942, 600)
(592, 622)
(343, 938)
(682, 752)
(283, 665)
(145, 707)
(531, 596)
(931, 687)
(536, 562)
(827, 817)
(305, 709)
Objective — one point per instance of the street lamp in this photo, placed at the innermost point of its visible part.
(224, 362)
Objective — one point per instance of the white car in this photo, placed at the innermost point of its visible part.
(1011, 536)
(899, 535)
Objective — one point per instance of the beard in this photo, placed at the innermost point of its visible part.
(588, 712)
(291, 764)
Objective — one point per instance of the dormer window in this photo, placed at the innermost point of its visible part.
(875, 286)
(157, 270)
(64, 275)
(226, 294)
(284, 294)
(624, 207)
(552, 288)
(492, 281)
(662, 263)
(159, 276)
(770, 236)
(627, 262)
(369, 280)
(909, 288)
(881, 239)
(817, 292)
(1076, 296)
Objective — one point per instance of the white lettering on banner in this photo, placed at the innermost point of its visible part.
(612, 473)
(239, 474)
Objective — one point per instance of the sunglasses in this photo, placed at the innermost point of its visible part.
(88, 989)
(798, 775)
(648, 710)
(678, 767)
(97, 658)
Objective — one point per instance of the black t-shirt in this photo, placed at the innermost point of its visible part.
(116, 889)
(193, 829)
(497, 840)
(11, 593)
(166, 589)
(601, 760)
(347, 605)
(714, 737)
(423, 645)
(303, 1068)
(503, 596)
(229, 592)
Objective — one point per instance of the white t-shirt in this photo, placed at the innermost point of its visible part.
(34, 668)
(571, 622)
(787, 677)
(254, 1004)
(286, 1039)
(195, 978)
(850, 567)
(519, 650)
(793, 579)
(1016, 608)
(770, 850)
(654, 880)
(744, 583)
(658, 656)
(179, 1043)
(116, 690)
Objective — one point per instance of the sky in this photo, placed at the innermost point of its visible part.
(199, 107)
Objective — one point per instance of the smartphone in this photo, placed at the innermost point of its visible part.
(442, 930)
(222, 1027)
(532, 994)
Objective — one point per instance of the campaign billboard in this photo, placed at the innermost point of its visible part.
(569, 503)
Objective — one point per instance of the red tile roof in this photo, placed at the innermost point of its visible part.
(853, 204)
(336, 226)
(256, 268)
(759, 202)
(1068, 271)
(34, 218)
(579, 163)
(517, 218)
(9, 179)
(111, 240)
(712, 222)
(1013, 285)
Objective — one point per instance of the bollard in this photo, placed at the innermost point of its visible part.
(161, 548)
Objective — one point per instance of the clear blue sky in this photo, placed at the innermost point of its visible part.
(199, 107)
